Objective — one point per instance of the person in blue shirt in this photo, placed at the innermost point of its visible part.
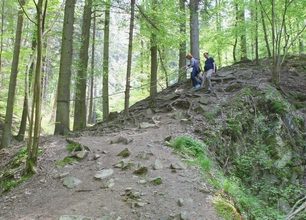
(209, 69)
(195, 65)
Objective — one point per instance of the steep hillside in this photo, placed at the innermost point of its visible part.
(243, 149)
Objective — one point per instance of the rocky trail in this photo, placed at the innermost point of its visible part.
(146, 181)
(125, 170)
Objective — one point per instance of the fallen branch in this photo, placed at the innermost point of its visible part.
(297, 209)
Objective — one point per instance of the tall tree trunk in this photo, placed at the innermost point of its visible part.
(63, 89)
(80, 91)
(1, 39)
(93, 47)
(275, 70)
(301, 45)
(45, 71)
(28, 79)
(182, 50)
(7, 133)
(265, 32)
(105, 97)
(35, 121)
(154, 63)
(218, 24)
(243, 40)
(163, 66)
(23, 123)
(236, 34)
(256, 33)
(194, 28)
(129, 63)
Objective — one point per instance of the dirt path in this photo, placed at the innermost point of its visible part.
(123, 195)
(179, 193)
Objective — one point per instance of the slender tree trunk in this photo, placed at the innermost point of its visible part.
(53, 111)
(105, 61)
(80, 98)
(265, 32)
(243, 40)
(301, 45)
(236, 35)
(63, 89)
(7, 133)
(90, 110)
(129, 63)
(182, 50)
(1, 39)
(256, 33)
(194, 28)
(35, 121)
(29, 72)
(154, 63)
(142, 56)
(45, 71)
(28, 79)
(163, 66)
(275, 70)
(218, 24)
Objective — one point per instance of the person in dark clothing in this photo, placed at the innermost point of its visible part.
(209, 69)
(195, 65)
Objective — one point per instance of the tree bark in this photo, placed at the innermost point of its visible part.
(256, 33)
(93, 47)
(7, 133)
(80, 98)
(182, 50)
(275, 77)
(154, 66)
(129, 62)
(23, 123)
(62, 120)
(163, 66)
(154, 61)
(265, 33)
(218, 24)
(1, 38)
(236, 35)
(194, 28)
(35, 121)
(105, 97)
(243, 40)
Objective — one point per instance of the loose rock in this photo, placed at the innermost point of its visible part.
(144, 125)
(103, 174)
(122, 140)
(97, 156)
(177, 166)
(157, 165)
(180, 202)
(108, 184)
(124, 164)
(71, 182)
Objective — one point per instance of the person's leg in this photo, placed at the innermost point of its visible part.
(203, 79)
(209, 73)
(193, 78)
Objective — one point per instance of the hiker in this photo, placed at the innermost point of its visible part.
(194, 63)
(209, 69)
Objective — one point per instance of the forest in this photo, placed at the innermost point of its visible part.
(68, 66)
